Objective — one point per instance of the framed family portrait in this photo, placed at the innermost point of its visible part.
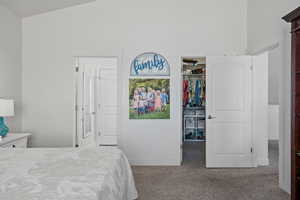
(149, 98)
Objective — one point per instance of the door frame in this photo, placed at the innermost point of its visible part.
(254, 161)
(180, 105)
(76, 88)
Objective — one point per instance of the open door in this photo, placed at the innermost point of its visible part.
(228, 112)
(97, 101)
(86, 102)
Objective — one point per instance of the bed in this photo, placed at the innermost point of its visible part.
(88, 173)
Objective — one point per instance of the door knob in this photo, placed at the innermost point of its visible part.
(298, 154)
(211, 117)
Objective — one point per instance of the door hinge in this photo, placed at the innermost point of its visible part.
(251, 150)
(76, 108)
(251, 67)
(77, 69)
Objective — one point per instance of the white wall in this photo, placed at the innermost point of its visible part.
(273, 122)
(265, 27)
(10, 63)
(123, 29)
(260, 107)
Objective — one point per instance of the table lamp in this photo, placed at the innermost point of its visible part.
(6, 110)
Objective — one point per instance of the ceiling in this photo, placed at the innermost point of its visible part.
(26, 8)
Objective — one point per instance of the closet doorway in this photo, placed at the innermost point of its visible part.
(221, 97)
(96, 99)
(193, 110)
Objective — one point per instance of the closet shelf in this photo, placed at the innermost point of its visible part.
(200, 116)
(199, 128)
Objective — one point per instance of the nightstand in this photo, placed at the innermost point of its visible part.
(15, 140)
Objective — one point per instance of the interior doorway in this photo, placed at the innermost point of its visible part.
(96, 101)
(224, 111)
(193, 110)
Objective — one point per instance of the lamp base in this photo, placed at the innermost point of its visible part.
(3, 128)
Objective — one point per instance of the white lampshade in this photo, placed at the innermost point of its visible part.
(6, 108)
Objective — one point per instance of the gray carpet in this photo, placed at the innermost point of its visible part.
(193, 182)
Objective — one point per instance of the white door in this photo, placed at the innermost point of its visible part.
(228, 112)
(107, 107)
(97, 101)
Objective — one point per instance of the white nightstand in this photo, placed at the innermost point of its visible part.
(15, 140)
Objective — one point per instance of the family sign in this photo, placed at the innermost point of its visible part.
(150, 64)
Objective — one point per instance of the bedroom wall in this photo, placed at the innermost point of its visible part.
(265, 28)
(10, 63)
(122, 29)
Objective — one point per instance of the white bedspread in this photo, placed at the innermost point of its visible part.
(101, 173)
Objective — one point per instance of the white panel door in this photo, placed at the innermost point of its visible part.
(107, 107)
(97, 101)
(228, 110)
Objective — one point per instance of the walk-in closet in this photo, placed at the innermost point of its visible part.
(193, 109)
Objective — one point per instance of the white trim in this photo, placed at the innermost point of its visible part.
(181, 103)
(75, 134)
(230, 165)
(263, 162)
(260, 109)
(285, 186)
(119, 97)
(166, 162)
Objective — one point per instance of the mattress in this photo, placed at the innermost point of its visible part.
(87, 173)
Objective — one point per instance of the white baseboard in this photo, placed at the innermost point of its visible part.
(285, 187)
(155, 162)
(263, 162)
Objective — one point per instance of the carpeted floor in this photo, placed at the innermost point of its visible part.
(193, 182)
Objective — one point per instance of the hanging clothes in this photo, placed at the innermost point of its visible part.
(185, 92)
(197, 93)
(194, 92)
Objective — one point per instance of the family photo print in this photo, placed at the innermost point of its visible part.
(149, 98)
